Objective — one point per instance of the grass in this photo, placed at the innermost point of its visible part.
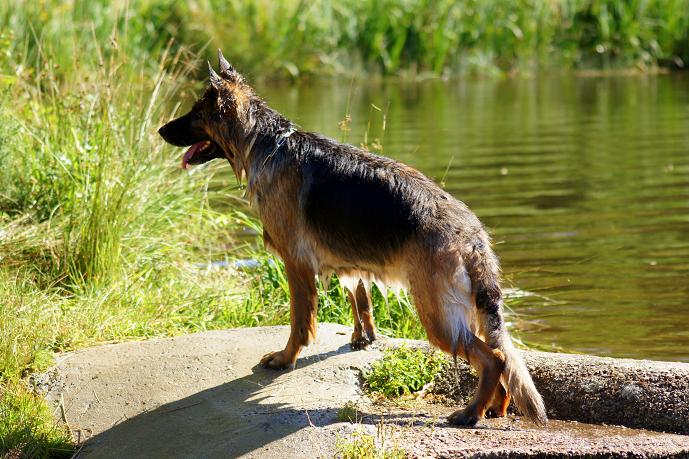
(349, 413)
(28, 429)
(361, 445)
(403, 371)
(100, 233)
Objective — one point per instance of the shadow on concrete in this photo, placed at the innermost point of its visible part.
(229, 420)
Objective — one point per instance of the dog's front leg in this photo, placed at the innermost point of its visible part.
(303, 306)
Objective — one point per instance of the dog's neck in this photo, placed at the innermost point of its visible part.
(268, 133)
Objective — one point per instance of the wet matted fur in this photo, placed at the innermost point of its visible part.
(330, 208)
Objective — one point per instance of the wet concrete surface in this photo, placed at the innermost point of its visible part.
(203, 395)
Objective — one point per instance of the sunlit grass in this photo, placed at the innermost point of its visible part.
(404, 371)
(360, 445)
(27, 428)
(100, 232)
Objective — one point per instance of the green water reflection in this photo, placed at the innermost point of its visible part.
(584, 183)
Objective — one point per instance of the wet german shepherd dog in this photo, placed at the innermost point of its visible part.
(333, 208)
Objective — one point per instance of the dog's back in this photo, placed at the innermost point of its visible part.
(367, 207)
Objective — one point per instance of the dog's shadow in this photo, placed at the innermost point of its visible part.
(228, 420)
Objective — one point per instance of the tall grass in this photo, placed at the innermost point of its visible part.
(99, 230)
(445, 37)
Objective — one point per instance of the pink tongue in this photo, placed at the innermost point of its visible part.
(189, 153)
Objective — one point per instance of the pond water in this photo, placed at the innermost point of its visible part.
(583, 182)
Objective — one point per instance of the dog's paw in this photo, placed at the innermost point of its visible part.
(463, 418)
(497, 409)
(359, 343)
(494, 413)
(499, 404)
(277, 360)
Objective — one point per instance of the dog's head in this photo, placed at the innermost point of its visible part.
(218, 123)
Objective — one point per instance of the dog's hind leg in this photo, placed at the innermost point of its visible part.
(448, 312)
(497, 407)
(489, 364)
(303, 308)
(516, 383)
(491, 323)
(364, 327)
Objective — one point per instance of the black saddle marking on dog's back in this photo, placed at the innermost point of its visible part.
(359, 213)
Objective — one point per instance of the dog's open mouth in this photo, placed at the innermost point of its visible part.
(200, 153)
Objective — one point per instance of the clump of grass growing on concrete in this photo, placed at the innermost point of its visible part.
(403, 371)
(349, 413)
(364, 446)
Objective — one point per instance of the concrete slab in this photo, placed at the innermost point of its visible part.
(203, 395)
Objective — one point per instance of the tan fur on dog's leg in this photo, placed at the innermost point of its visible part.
(489, 364)
(303, 307)
(501, 401)
(447, 320)
(364, 327)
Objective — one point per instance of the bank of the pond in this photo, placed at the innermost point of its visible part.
(204, 395)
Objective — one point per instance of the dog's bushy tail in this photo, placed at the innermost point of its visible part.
(485, 276)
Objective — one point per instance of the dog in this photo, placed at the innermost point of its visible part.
(328, 207)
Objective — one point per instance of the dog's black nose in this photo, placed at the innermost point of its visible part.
(163, 132)
(180, 132)
(170, 135)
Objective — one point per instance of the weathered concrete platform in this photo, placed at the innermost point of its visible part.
(202, 395)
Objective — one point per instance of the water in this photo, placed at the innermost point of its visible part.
(583, 182)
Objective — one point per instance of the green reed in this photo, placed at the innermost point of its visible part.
(293, 38)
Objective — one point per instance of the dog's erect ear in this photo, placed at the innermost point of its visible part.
(216, 80)
(226, 68)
